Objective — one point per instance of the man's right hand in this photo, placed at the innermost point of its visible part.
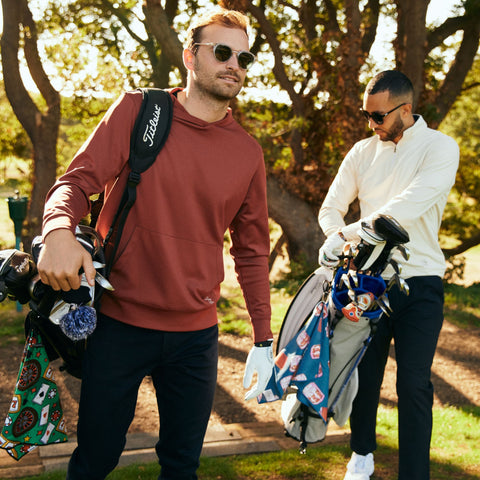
(61, 259)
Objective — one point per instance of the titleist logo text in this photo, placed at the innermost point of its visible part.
(149, 134)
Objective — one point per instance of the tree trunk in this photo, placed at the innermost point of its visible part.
(42, 128)
(298, 221)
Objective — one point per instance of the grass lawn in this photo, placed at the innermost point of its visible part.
(455, 456)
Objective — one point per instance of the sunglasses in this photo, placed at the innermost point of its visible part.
(224, 52)
(377, 117)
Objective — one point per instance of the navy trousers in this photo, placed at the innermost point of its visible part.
(183, 367)
(414, 325)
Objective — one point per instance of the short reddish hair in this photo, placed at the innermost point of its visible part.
(221, 16)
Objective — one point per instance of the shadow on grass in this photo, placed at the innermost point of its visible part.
(461, 305)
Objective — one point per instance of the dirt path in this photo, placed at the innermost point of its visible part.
(456, 377)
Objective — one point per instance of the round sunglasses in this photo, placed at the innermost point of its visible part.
(377, 117)
(224, 52)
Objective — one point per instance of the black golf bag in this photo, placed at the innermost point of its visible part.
(64, 319)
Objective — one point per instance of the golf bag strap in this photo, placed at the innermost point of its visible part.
(149, 135)
(303, 429)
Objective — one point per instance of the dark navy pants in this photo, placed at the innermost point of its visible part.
(414, 326)
(183, 367)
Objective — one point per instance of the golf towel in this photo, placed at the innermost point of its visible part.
(304, 363)
(35, 416)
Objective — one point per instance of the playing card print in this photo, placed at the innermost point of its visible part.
(35, 416)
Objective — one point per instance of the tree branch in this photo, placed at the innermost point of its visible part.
(278, 68)
(35, 67)
(452, 85)
(157, 21)
(370, 20)
(17, 94)
(438, 35)
(464, 246)
(410, 41)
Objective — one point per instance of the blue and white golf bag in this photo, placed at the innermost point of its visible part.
(328, 328)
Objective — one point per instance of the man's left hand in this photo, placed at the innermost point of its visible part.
(328, 256)
(260, 360)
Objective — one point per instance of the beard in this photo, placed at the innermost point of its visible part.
(394, 131)
(212, 86)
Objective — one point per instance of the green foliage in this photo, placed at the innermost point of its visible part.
(462, 214)
(102, 58)
(14, 141)
(79, 118)
(233, 316)
(271, 124)
(292, 280)
(455, 269)
(11, 324)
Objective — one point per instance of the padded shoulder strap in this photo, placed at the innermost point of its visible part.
(149, 134)
(151, 128)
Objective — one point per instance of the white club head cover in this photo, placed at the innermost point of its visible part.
(260, 360)
(368, 235)
(329, 251)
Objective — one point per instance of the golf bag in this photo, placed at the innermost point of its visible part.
(66, 319)
(327, 330)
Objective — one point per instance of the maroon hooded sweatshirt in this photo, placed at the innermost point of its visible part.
(209, 177)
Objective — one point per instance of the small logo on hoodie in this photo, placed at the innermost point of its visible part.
(149, 134)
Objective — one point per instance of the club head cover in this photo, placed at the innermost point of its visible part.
(16, 272)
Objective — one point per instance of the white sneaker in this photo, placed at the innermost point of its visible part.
(360, 467)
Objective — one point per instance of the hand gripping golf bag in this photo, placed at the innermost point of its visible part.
(64, 319)
(319, 348)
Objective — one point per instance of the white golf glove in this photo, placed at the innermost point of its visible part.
(260, 360)
(331, 249)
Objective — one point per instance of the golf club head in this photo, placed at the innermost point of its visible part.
(394, 235)
(391, 283)
(382, 307)
(405, 252)
(383, 300)
(397, 266)
(352, 295)
(390, 230)
(403, 285)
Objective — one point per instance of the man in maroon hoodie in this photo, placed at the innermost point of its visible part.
(161, 320)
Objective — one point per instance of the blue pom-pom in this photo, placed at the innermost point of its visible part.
(79, 322)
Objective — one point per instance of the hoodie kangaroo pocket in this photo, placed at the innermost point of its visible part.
(167, 272)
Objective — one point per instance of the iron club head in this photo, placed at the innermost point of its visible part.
(382, 307)
(403, 285)
(391, 282)
(404, 251)
(396, 266)
(384, 300)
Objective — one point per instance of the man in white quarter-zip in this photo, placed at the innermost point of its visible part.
(405, 170)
